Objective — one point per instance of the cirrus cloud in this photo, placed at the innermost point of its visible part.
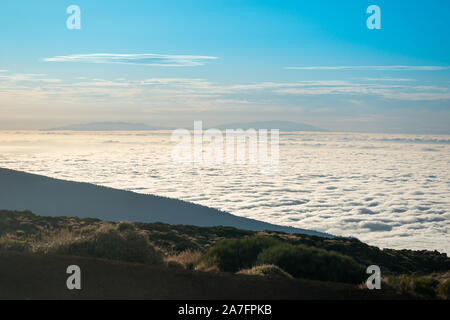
(146, 59)
(374, 68)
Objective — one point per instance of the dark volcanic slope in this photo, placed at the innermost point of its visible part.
(51, 197)
(44, 277)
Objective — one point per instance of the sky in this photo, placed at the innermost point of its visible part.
(170, 62)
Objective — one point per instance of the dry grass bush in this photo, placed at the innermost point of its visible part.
(9, 243)
(444, 289)
(55, 239)
(186, 259)
(109, 243)
(421, 287)
(267, 270)
(206, 267)
(124, 226)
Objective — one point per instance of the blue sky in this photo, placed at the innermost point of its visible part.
(171, 62)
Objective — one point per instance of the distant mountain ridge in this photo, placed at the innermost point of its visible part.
(107, 126)
(52, 197)
(283, 126)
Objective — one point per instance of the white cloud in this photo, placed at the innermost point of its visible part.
(147, 59)
(275, 85)
(387, 91)
(375, 68)
(15, 77)
(200, 94)
(419, 96)
(390, 79)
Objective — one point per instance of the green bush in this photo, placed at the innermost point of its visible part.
(423, 287)
(14, 245)
(128, 246)
(237, 254)
(403, 284)
(312, 263)
(444, 289)
(298, 261)
(426, 287)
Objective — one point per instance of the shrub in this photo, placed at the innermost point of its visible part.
(125, 226)
(403, 284)
(7, 244)
(423, 287)
(186, 259)
(444, 289)
(235, 255)
(202, 266)
(312, 263)
(426, 287)
(128, 246)
(266, 271)
(54, 239)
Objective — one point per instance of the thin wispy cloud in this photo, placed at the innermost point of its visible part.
(375, 68)
(196, 91)
(18, 77)
(390, 79)
(147, 59)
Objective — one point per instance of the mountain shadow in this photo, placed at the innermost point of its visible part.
(52, 197)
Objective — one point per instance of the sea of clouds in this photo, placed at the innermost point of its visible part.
(387, 190)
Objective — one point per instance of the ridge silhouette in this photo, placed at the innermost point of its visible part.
(53, 197)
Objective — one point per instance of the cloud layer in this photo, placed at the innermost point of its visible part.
(388, 190)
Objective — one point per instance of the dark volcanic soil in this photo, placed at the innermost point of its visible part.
(26, 276)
